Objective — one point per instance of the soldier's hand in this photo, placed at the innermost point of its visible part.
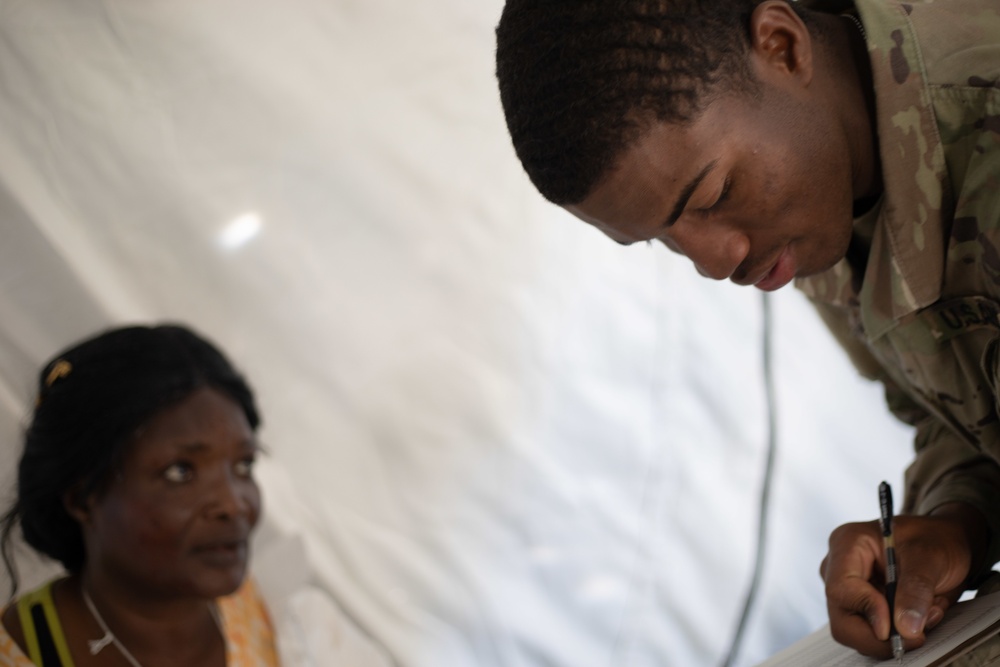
(933, 556)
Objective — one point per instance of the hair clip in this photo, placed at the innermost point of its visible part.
(60, 369)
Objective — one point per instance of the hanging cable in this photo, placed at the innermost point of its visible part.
(765, 492)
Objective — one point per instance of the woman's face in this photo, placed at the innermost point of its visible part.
(176, 520)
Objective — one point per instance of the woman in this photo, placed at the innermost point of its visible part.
(137, 476)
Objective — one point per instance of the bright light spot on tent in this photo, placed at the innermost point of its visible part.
(602, 589)
(240, 231)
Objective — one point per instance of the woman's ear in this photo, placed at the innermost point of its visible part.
(77, 504)
(780, 42)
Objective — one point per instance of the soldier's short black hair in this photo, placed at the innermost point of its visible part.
(581, 79)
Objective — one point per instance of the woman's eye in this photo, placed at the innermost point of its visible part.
(179, 472)
(244, 468)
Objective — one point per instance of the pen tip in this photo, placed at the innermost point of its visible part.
(897, 648)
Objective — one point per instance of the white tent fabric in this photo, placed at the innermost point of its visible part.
(496, 438)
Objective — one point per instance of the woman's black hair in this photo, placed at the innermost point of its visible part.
(92, 398)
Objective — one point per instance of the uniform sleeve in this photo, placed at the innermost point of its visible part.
(946, 468)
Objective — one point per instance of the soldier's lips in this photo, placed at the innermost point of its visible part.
(781, 273)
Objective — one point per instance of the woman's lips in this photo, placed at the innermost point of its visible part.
(780, 274)
(223, 554)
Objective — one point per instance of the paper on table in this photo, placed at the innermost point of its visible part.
(965, 626)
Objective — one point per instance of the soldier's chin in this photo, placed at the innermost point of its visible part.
(828, 260)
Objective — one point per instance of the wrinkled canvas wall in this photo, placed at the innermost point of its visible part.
(496, 438)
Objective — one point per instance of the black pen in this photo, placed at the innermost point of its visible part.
(885, 508)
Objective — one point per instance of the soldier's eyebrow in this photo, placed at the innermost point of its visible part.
(686, 193)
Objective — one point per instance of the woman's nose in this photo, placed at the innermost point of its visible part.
(230, 498)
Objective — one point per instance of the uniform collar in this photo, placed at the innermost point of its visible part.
(906, 262)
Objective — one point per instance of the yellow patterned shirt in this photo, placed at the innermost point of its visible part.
(245, 621)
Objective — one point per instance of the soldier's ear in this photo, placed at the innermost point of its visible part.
(781, 46)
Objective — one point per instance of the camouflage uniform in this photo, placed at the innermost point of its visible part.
(920, 312)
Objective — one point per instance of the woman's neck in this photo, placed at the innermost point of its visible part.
(155, 630)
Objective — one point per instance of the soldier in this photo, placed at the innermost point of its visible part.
(851, 147)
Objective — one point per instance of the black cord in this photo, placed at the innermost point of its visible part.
(765, 492)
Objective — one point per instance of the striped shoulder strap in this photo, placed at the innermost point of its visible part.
(42, 631)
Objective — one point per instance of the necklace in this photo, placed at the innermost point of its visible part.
(96, 645)
(861, 27)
